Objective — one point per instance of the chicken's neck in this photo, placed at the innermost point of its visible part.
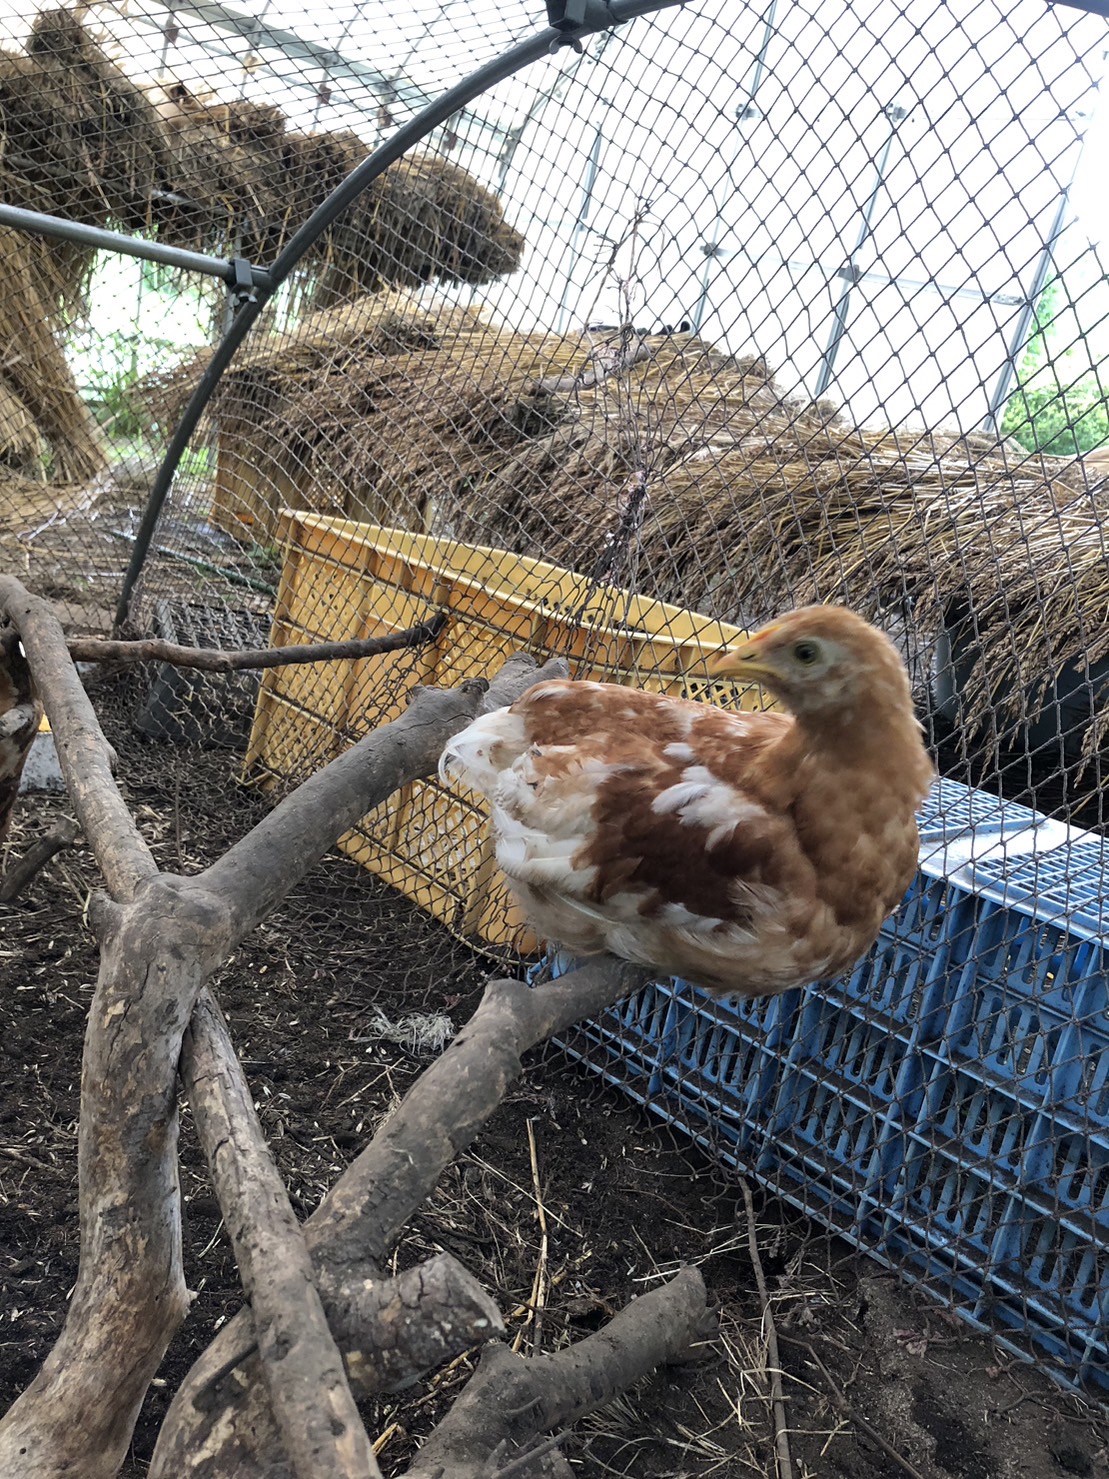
(859, 750)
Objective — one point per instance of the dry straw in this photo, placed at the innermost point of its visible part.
(247, 181)
(81, 140)
(435, 419)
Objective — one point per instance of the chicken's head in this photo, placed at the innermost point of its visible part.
(822, 661)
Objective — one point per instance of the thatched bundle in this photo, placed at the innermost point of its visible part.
(546, 445)
(248, 182)
(57, 432)
(77, 139)
(383, 410)
(21, 445)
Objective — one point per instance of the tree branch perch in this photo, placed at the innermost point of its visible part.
(303, 1371)
(83, 752)
(510, 1399)
(215, 660)
(159, 946)
(358, 1221)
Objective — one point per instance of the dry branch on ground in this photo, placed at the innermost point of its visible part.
(271, 1396)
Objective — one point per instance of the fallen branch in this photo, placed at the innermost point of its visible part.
(318, 1421)
(365, 1211)
(361, 1216)
(214, 660)
(510, 1400)
(130, 1296)
(19, 875)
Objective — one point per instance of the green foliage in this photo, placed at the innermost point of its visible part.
(1061, 421)
(1044, 414)
(110, 380)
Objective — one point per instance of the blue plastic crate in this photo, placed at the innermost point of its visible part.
(1065, 885)
(946, 1104)
(951, 808)
(669, 1039)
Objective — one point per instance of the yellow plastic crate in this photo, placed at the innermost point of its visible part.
(342, 580)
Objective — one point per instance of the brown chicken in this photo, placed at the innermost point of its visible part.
(747, 852)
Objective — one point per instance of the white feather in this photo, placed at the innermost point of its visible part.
(480, 752)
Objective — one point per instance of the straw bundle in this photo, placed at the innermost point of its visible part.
(77, 139)
(752, 502)
(249, 182)
(22, 449)
(377, 410)
(34, 372)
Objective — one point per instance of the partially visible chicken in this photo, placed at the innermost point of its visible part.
(20, 712)
(747, 852)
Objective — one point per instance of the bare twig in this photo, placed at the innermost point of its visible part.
(773, 1359)
(539, 1283)
(213, 660)
(303, 1370)
(530, 1459)
(854, 1416)
(83, 752)
(19, 875)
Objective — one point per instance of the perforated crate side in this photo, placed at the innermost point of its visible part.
(1068, 885)
(1029, 1013)
(1002, 1241)
(950, 807)
(905, 979)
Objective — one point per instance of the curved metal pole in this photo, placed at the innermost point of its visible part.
(595, 15)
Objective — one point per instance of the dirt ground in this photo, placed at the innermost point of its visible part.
(877, 1383)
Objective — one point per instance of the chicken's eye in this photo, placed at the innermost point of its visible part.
(806, 653)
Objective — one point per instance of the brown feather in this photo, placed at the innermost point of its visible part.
(749, 852)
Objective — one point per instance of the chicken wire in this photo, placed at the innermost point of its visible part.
(737, 307)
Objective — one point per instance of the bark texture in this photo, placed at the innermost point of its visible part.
(274, 1395)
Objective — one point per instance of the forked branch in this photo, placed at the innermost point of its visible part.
(303, 1371)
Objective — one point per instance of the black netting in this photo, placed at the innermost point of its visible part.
(740, 307)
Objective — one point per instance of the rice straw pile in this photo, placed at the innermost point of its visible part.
(79, 139)
(249, 181)
(694, 477)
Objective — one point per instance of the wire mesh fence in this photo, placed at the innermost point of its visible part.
(739, 307)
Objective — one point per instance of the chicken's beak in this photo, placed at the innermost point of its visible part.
(745, 662)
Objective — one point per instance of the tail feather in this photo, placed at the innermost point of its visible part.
(478, 754)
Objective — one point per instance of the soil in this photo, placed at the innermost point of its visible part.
(325, 1003)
